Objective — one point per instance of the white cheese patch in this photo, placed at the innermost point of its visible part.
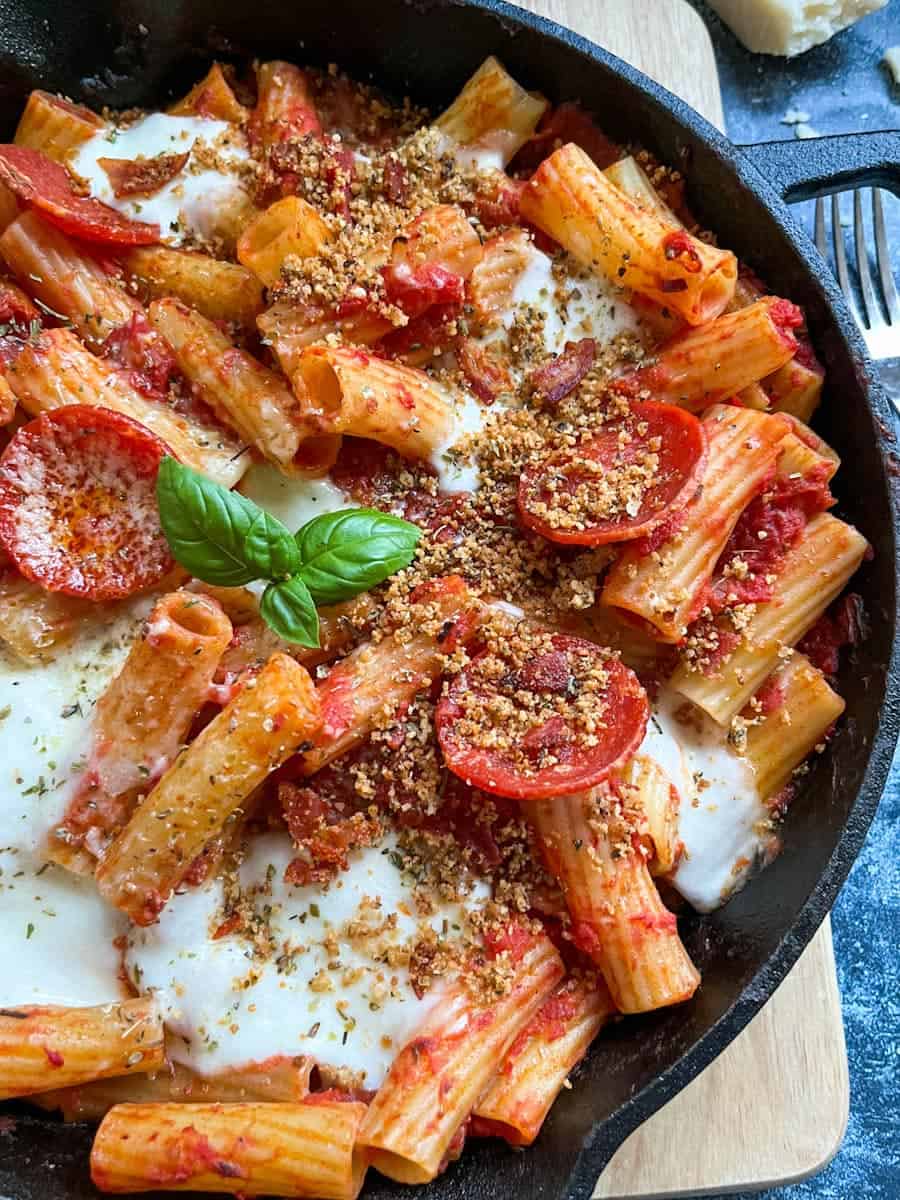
(292, 501)
(582, 306)
(55, 932)
(789, 27)
(56, 937)
(230, 1009)
(194, 200)
(456, 473)
(722, 820)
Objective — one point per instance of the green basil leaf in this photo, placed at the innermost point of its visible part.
(220, 536)
(270, 546)
(345, 553)
(289, 609)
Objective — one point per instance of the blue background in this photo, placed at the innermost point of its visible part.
(845, 88)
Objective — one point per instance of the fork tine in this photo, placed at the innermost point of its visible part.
(883, 259)
(870, 300)
(821, 236)
(840, 254)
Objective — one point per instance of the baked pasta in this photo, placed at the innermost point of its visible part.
(420, 586)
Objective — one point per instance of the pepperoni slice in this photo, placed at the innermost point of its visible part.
(142, 176)
(78, 510)
(43, 184)
(622, 484)
(557, 725)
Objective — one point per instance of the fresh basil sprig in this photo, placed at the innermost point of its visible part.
(360, 545)
(225, 539)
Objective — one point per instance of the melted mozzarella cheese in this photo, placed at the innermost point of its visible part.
(581, 306)
(722, 821)
(292, 501)
(193, 201)
(231, 1009)
(455, 471)
(55, 932)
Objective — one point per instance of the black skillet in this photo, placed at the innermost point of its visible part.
(141, 52)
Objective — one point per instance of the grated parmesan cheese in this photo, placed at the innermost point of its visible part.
(790, 27)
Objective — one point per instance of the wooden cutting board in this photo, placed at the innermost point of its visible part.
(772, 1109)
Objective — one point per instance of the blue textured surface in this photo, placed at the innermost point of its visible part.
(844, 88)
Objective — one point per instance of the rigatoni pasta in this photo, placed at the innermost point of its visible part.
(240, 390)
(65, 278)
(539, 1062)
(571, 199)
(53, 1046)
(815, 571)
(304, 1149)
(619, 918)
(222, 291)
(55, 369)
(437, 1078)
(664, 586)
(142, 719)
(351, 392)
(252, 736)
(492, 115)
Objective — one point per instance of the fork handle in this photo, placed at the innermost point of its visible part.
(801, 169)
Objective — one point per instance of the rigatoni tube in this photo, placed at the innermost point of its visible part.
(617, 914)
(61, 275)
(53, 1046)
(56, 369)
(341, 390)
(537, 1066)
(665, 586)
(571, 200)
(142, 719)
(718, 360)
(814, 573)
(261, 727)
(436, 1079)
(253, 400)
(306, 1150)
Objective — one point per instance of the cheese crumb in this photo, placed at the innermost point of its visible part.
(790, 27)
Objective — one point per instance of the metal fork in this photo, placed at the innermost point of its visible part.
(879, 319)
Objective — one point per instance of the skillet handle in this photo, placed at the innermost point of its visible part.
(801, 169)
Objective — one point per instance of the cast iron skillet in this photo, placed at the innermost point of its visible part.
(127, 52)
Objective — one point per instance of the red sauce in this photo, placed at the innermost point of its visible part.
(555, 1016)
(515, 940)
(191, 1155)
(768, 528)
(566, 123)
(143, 356)
(680, 245)
(340, 1096)
(844, 625)
(434, 330)
(415, 289)
(769, 698)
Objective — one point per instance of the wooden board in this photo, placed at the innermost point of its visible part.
(773, 1108)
